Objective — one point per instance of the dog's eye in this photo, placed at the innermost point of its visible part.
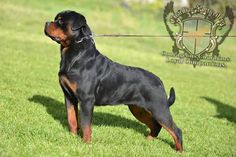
(59, 22)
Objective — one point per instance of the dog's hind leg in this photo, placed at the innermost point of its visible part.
(146, 117)
(163, 117)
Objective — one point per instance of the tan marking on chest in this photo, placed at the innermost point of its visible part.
(66, 82)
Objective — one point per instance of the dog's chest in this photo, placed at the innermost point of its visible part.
(69, 58)
(65, 66)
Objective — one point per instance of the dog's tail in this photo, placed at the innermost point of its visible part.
(171, 98)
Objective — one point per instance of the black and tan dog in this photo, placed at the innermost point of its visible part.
(88, 77)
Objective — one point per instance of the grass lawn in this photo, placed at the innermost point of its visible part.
(32, 114)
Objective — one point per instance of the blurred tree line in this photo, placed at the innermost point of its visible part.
(218, 5)
(151, 5)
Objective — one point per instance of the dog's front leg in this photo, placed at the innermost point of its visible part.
(72, 115)
(86, 113)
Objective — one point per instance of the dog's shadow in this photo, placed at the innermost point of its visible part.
(224, 110)
(57, 110)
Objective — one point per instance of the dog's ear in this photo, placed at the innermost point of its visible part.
(79, 23)
(86, 30)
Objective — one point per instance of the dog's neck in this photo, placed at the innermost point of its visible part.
(76, 52)
(81, 44)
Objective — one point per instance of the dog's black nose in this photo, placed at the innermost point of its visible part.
(45, 27)
(46, 24)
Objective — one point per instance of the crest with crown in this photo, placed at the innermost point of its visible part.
(200, 30)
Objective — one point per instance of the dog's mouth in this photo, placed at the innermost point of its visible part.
(57, 39)
(54, 38)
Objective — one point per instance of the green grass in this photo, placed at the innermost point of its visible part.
(32, 115)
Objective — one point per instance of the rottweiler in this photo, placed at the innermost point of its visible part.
(89, 78)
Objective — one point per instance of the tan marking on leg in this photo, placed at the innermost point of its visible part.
(72, 119)
(178, 145)
(87, 134)
(145, 117)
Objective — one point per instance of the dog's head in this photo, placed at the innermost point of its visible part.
(67, 27)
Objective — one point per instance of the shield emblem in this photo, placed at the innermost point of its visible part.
(196, 35)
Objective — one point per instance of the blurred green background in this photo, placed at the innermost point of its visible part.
(32, 115)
